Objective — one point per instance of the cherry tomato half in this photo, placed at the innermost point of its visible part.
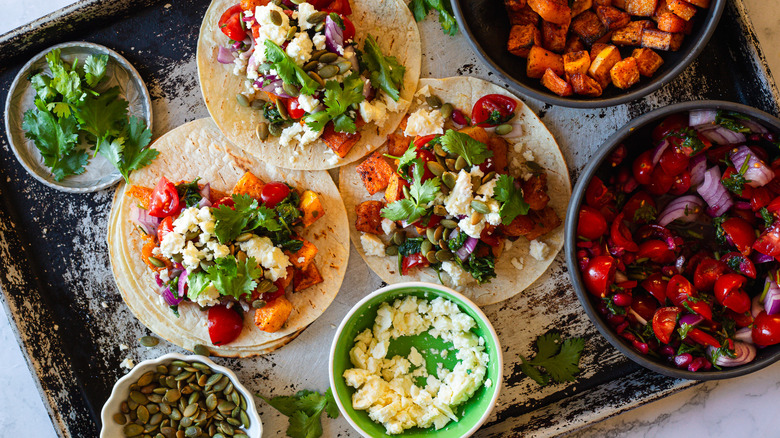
(165, 199)
(766, 329)
(673, 162)
(493, 110)
(411, 261)
(657, 251)
(707, 272)
(703, 338)
(670, 124)
(274, 193)
(745, 266)
(227, 200)
(166, 226)
(597, 194)
(224, 325)
(656, 285)
(643, 204)
(679, 289)
(643, 167)
(664, 322)
(294, 109)
(681, 184)
(768, 242)
(621, 235)
(592, 224)
(729, 293)
(230, 23)
(600, 275)
(702, 308)
(660, 181)
(644, 306)
(349, 28)
(741, 233)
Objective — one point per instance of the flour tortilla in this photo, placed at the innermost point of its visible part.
(198, 149)
(390, 23)
(528, 134)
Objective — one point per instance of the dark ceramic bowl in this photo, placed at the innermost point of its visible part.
(640, 129)
(486, 26)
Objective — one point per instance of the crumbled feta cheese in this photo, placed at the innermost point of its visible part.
(191, 256)
(268, 30)
(459, 200)
(528, 155)
(308, 103)
(373, 112)
(298, 133)
(539, 250)
(300, 48)
(518, 263)
(473, 230)
(319, 41)
(423, 122)
(208, 297)
(388, 226)
(172, 243)
(187, 221)
(127, 363)
(239, 66)
(458, 276)
(372, 245)
(332, 159)
(392, 105)
(266, 254)
(305, 10)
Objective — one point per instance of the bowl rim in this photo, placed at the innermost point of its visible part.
(701, 41)
(570, 230)
(437, 289)
(135, 373)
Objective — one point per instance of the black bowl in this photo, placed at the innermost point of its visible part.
(486, 26)
(638, 128)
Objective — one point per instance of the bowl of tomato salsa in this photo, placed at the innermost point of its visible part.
(673, 240)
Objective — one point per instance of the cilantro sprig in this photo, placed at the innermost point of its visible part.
(386, 72)
(421, 193)
(231, 277)
(245, 215)
(691, 143)
(512, 202)
(559, 359)
(305, 411)
(735, 182)
(420, 9)
(473, 151)
(288, 70)
(338, 100)
(56, 139)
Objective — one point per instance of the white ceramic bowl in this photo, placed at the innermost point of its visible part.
(110, 429)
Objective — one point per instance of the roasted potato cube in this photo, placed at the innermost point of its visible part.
(250, 185)
(271, 317)
(580, 6)
(397, 144)
(554, 36)
(588, 27)
(625, 73)
(602, 2)
(339, 142)
(369, 218)
(667, 20)
(660, 40)
(602, 64)
(643, 8)
(306, 278)
(574, 44)
(596, 49)
(375, 172)
(395, 188)
(585, 85)
(647, 61)
(478, 133)
(555, 84)
(533, 225)
(312, 207)
(700, 3)
(631, 34)
(681, 8)
(514, 5)
(500, 148)
(524, 16)
(612, 18)
(282, 283)
(521, 38)
(535, 191)
(540, 60)
(620, 4)
(576, 62)
(554, 11)
(301, 258)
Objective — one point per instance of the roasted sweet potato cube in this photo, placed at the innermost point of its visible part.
(369, 218)
(700, 3)
(682, 8)
(625, 73)
(554, 11)
(375, 172)
(535, 191)
(574, 44)
(141, 194)
(647, 61)
(524, 16)
(620, 4)
(602, 2)
(540, 59)
(602, 64)
(588, 27)
(478, 133)
(250, 185)
(307, 277)
(660, 40)
(514, 5)
(271, 317)
(282, 282)
(576, 62)
(555, 84)
(643, 8)
(631, 34)
(500, 149)
(554, 36)
(397, 144)
(667, 20)
(395, 188)
(301, 258)
(585, 85)
(533, 225)
(521, 38)
(580, 6)
(339, 142)
(596, 49)
(612, 18)
(311, 207)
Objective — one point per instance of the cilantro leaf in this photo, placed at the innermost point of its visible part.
(535, 374)
(473, 151)
(42, 85)
(288, 70)
(547, 346)
(246, 215)
(95, 68)
(103, 115)
(399, 210)
(560, 360)
(338, 99)
(728, 120)
(136, 153)
(64, 81)
(386, 72)
(305, 411)
(420, 9)
(56, 140)
(197, 281)
(416, 207)
(234, 278)
(768, 218)
(512, 202)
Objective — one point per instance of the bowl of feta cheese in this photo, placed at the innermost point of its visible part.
(416, 359)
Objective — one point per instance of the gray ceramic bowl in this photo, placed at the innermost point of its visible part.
(486, 26)
(637, 128)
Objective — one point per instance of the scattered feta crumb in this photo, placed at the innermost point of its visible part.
(123, 347)
(457, 275)
(319, 41)
(372, 245)
(539, 250)
(127, 363)
(423, 122)
(528, 155)
(388, 226)
(375, 111)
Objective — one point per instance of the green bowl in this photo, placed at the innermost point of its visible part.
(471, 414)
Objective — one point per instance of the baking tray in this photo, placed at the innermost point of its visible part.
(75, 330)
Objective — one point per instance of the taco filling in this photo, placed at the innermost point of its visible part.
(304, 71)
(228, 253)
(451, 201)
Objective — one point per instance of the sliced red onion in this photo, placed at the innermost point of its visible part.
(702, 117)
(142, 218)
(697, 166)
(182, 289)
(759, 258)
(754, 126)
(639, 319)
(205, 191)
(723, 135)
(334, 36)
(757, 173)
(369, 92)
(772, 297)
(713, 192)
(225, 56)
(659, 150)
(756, 306)
(169, 298)
(712, 134)
(745, 334)
(459, 118)
(275, 87)
(745, 353)
(204, 202)
(685, 208)
(468, 247)
(690, 319)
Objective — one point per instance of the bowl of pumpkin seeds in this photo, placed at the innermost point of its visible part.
(177, 396)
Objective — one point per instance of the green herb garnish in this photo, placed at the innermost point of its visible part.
(420, 9)
(288, 70)
(386, 72)
(246, 215)
(513, 204)
(559, 359)
(305, 411)
(338, 100)
(473, 151)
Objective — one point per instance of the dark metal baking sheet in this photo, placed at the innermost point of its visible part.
(72, 325)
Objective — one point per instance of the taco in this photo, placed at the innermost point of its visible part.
(211, 246)
(470, 191)
(311, 86)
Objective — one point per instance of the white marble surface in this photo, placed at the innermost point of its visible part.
(739, 407)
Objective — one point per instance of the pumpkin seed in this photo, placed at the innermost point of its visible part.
(431, 256)
(439, 210)
(319, 27)
(276, 17)
(211, 402)
(119, 418)
(147, 378)
(433, 101)
(244, 419)
(429, 233)
(170, 382)
(443, 255)
(132, 404)
(156, 262)
(235, 412)
(391, 250)
(186, 422)
(152, 408)
(165, 409)
(139, 397)
(435, 168)
(446, 234)
(317, 17)
(449, 223)
(159, 435)
(240, 435)
(328, 57)
(214, 379)
(194, 397)
(265, 286)
(490, 175)
(234, 422)
(258, 304)
(309, 66)
(184, 375)
(315, 55)
(275, 129)
(219, 435)
(291, 33)
(446, 110)
(480, 206)
(242, 100)
(142, 413)
(172, 396)
(222, 384)
(154, 398)
(156, 419)
(257, 103)
(206, 264)
(225, 406)
(476, 217)
(317, 78)
(297, 2)
(235, 398)
(282, 109)
(262, 134)
(438, 233)
(147, 341)
(407, 193)
(504, 129)
(460, 163)
(194, 431)
(291, 89)
(180, 363)
(476, 182)
(426, 246)
(190, 410)
(442, 244)
(328, 71)
(243, 403)
(162, 369)
(133, 429)
(449, 179)
(344, 66)
(399, 237)
(439, 150)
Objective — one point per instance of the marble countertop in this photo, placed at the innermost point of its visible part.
(743, 406)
